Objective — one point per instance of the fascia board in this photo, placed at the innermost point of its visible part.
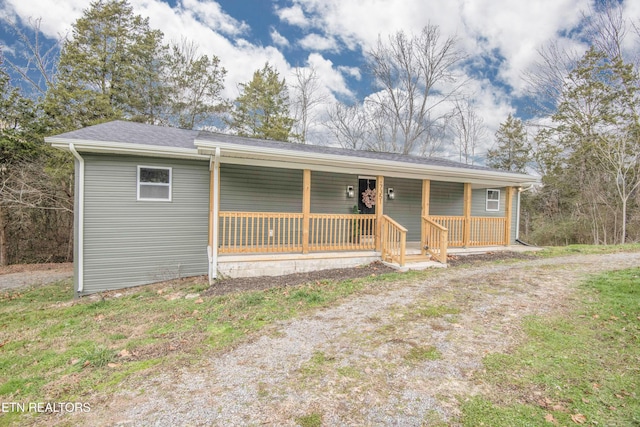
(319, 161)
(126, 148)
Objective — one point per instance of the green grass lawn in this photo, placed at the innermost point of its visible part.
(579, 368)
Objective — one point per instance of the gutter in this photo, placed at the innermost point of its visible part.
(212, 249)
(80, 207)
(127, 149)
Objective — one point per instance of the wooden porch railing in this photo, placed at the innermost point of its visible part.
(257, 232)
(242, 232)
(337, 232)
(454, 226)
(393, 241)
(434, 239)
(485, 231)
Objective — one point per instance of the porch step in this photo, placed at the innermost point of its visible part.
(416, 262)
(417, 258)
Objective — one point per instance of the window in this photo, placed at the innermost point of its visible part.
(493, 200)
(154, 183)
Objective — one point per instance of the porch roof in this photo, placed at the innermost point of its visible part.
(242, 150)
(123, 137)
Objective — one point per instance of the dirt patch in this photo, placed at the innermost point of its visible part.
(225, 286)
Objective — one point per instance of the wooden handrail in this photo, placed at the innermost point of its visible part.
(434, 239)
(393, 239)
(394, 223)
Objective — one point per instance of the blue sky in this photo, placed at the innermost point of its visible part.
(501, 37)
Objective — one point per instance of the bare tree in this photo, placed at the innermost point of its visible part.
(348, 124)
(468, 128)
(307, 95)
(37, 61)
(546, 78)
(414, 75)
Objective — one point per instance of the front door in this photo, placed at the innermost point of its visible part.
(367, 196)
(367, 199)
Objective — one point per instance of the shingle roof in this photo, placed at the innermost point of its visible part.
(134, 133)
(144, 134)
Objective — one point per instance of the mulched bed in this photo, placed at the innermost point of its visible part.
(489, 256)
(225, 286)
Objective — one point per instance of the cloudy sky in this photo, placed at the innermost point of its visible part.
(501, 37)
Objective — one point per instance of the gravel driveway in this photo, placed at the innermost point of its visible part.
(34, 275)
(354, 364)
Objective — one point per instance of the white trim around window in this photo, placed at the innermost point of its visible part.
(154, 183)
(493, 200)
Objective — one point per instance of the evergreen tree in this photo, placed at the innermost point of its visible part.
(513, 150)
(262, 109)
(195, 84)
(110, 68)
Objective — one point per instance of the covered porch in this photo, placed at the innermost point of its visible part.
(309, 236)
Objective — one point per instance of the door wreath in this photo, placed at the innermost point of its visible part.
(369, 197)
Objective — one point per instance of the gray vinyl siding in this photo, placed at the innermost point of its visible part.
(329, 193)
(479, 203)
(260, 189)
(129, 242)
(446, 198)
(406, 208)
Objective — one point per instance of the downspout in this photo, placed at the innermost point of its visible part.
(80, 207)
(518, 215)
(212, 249)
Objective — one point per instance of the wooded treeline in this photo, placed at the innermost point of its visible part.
(584, 140)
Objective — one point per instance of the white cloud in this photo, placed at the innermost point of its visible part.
(210, 14)
(277, 38)
(330, 77)
(350, 71)
(56, 19)
(318, 43)
(293, 16)
(513, 28)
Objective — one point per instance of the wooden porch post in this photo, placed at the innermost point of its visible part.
(379, 211)
(306, 209)
(508, 212)
(426, 195)
(467, 214)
